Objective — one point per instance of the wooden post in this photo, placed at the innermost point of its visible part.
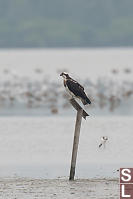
(78, 107)
(80, 113)
(75, 143)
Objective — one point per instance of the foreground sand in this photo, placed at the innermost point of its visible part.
(24, 188)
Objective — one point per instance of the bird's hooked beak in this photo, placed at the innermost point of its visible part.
(64, 75)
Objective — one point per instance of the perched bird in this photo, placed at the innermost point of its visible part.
(103, 141)
(75, 89)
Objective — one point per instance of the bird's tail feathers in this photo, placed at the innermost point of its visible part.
(86, 101)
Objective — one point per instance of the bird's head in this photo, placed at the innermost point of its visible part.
(105, 138)
(64, 75)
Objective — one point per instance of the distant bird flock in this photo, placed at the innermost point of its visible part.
(42, 92)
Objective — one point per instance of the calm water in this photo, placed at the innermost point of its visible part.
(41, 147)
(40, 64)
(79, 62)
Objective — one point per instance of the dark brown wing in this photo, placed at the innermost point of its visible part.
(76, 88)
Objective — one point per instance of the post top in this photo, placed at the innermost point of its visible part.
(78, 107)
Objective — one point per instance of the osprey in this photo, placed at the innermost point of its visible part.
(75, 89)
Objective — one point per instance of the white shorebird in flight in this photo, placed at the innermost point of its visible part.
(103, 141)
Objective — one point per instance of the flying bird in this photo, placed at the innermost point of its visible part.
(75, 89)
(103, 141)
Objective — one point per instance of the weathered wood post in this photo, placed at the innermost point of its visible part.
(80, 113)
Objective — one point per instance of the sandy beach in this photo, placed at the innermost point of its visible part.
(26, 188)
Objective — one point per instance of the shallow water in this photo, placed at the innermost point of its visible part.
(27, 76)
(81, 63)
(40, 147)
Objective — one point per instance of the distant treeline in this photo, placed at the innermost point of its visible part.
(66, 23)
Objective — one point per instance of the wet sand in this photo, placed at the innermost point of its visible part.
(25, 188)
